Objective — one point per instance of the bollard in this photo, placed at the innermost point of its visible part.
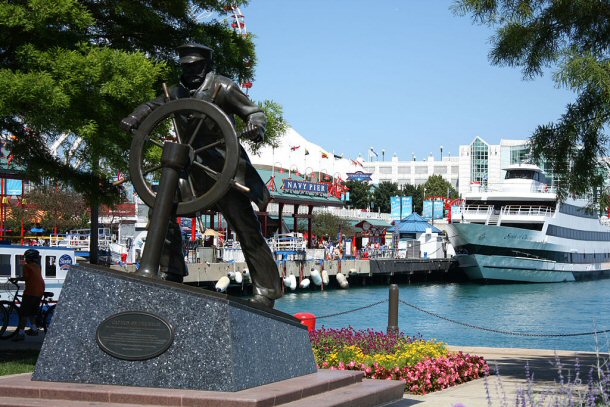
(393, 310)
(307, 319)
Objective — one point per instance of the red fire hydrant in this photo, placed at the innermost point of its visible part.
(307, 319)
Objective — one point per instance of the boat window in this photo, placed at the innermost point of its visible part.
(519, 174)
(50, 266)
(19, 263)
(5, 265)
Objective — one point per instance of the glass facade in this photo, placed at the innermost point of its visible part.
(479, 162)
(519, 154)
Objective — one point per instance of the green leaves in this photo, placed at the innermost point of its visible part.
(76, 68)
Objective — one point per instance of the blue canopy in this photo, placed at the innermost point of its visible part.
(413, 224)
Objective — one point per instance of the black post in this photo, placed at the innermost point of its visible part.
(393, 310)
(175, 158)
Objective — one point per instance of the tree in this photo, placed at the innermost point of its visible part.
(573, 36)
(327, 224)
(436, 185)
(78, 67)
(382, 194)
(359, 194)
(49, 207)
(75, 68)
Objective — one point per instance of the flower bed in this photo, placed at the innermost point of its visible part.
(424, 366)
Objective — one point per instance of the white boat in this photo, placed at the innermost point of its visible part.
(55, 262)
(522, 233)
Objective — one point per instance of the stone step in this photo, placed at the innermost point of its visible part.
(368, 393)
(324, 388)
(29, 402)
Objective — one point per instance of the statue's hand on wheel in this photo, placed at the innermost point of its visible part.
(253, 133)
(129, 124)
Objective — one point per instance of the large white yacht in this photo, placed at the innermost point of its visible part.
(520, 232)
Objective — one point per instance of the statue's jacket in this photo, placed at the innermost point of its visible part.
(224, 93)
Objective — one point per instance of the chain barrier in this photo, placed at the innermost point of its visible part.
(352, 310)
(466, 324)
(499, 331)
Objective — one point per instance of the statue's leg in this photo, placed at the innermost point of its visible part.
(176, 266)
(172, 266)
(266, 282)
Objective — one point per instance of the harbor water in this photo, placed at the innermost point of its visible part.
(555, 309)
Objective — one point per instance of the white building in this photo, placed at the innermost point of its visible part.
(413, 172)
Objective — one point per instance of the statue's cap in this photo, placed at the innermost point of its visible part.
(193, 52)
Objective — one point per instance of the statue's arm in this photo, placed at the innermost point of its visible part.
(234, 101)
(136, 117)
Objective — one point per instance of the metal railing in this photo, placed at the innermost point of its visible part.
(526, 210)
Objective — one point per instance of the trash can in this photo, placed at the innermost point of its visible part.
(307, 319)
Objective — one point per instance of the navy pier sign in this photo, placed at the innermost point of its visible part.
(304, 186)
(359, 176)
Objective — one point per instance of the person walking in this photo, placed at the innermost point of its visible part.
(199, 81)
(32, 294)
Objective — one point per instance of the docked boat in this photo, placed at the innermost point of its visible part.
(55, 262)
(522, 233)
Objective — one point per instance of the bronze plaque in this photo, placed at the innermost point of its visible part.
(134, 335)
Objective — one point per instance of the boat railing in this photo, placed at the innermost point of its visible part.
(477, 210)
(287, 242)
(80, 239)
(526, 210)
(543, 188)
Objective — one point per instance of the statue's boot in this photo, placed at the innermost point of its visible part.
(265, 296)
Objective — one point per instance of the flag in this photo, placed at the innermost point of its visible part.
(337, 157)
(374, 153)
(294, 148)
(324, 155)
(306, 152)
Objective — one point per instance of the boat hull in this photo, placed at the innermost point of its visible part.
(504, 254)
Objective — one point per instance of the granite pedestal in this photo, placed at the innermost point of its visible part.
(216, 343)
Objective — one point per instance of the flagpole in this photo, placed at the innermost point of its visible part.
(273, 161)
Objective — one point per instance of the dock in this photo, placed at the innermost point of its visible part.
(358, 272)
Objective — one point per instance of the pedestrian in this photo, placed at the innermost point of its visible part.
(32, 294)
(199, 81)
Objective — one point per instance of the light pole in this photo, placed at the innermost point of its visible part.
(382, 155)
(441, 153)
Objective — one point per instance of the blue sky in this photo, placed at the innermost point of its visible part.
(405, 76)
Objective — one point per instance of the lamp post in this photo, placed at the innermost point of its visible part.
(441, 153)
(382, 155)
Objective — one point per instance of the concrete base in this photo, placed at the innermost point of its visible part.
(324, 388)
(218, 343)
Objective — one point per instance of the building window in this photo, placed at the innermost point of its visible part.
(385, 170)
(455, 169)
(479, 160)
(404, 170)
(440, 170)
(421, 170)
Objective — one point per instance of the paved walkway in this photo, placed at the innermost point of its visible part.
(510, 362)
